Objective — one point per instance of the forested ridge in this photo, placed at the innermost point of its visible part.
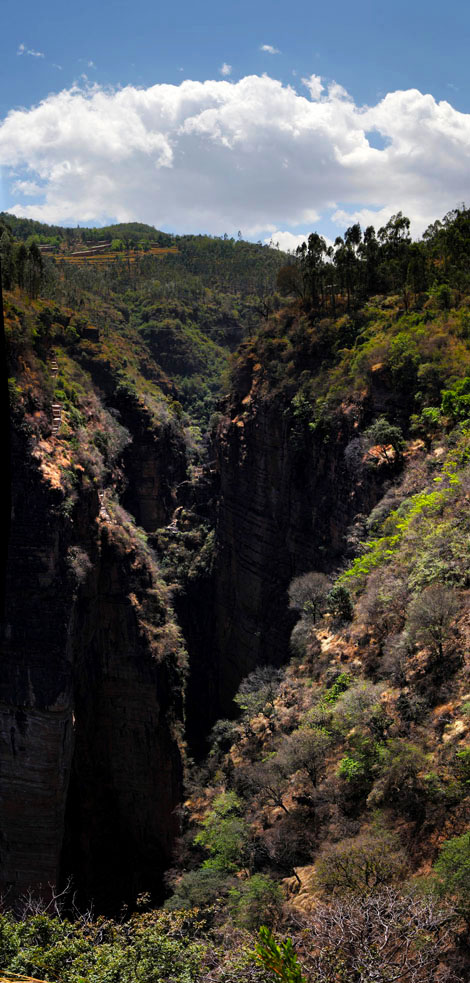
(216, 406)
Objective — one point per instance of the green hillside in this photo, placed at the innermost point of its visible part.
(187, 309)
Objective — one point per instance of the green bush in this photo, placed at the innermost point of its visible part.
(225, 834)
(150, 947)
(452, 869)
(401, 784)
(463, 767)
(442, 295)
(339, 603)
(339, 686)
(384, 434)
(199, 888)
(455, 402)
(255, 901)
(403, 361)
(356, 767)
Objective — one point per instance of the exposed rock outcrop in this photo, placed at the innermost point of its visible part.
(155, 463)
(90, 700)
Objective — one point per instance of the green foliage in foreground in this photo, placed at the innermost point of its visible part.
(281, 959)
(156, 947)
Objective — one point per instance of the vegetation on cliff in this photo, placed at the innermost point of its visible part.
(347, 778)
(333, 805)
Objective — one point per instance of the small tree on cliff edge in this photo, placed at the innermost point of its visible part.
(308, 593)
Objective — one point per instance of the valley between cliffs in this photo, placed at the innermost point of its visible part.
(100, 686)
(235, 645)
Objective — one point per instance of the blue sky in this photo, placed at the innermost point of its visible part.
(371, 49)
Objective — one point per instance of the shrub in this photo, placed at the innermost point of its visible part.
(224, 833)
(360, 707)
(356, 767)
(198, 888)
(429, 618)
(149, 947)
(79, 563)
(258, 691)
(463, 767)
(360, 865)
(339, 603)
(222, 736)
(384, 434)
(300, 638)
(403, 360)
(255, 901)
(14, 392)
(268, 779)
(384, 602)
(442, 295)
(305, 749)
(411, 707)
(427, 424)
(337, 687)
(291, 841)
(380, 936)
(401, 784)
(455, 402)
(452, 868)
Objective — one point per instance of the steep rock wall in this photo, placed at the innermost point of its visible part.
(126, 775)
(155, 461)
(90, 698)
(285, 505)
(36, 698)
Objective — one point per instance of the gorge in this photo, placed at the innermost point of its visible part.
(234, 647)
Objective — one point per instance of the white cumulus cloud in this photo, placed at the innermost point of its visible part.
(225, 69)
(289, 242)
(285, 240)
(221, 155)
(314, 85)
(269, 49)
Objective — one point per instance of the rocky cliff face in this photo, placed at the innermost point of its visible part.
(126, 775)
(36, 684)
(286, 502)
(90, 699)
(154, 463)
